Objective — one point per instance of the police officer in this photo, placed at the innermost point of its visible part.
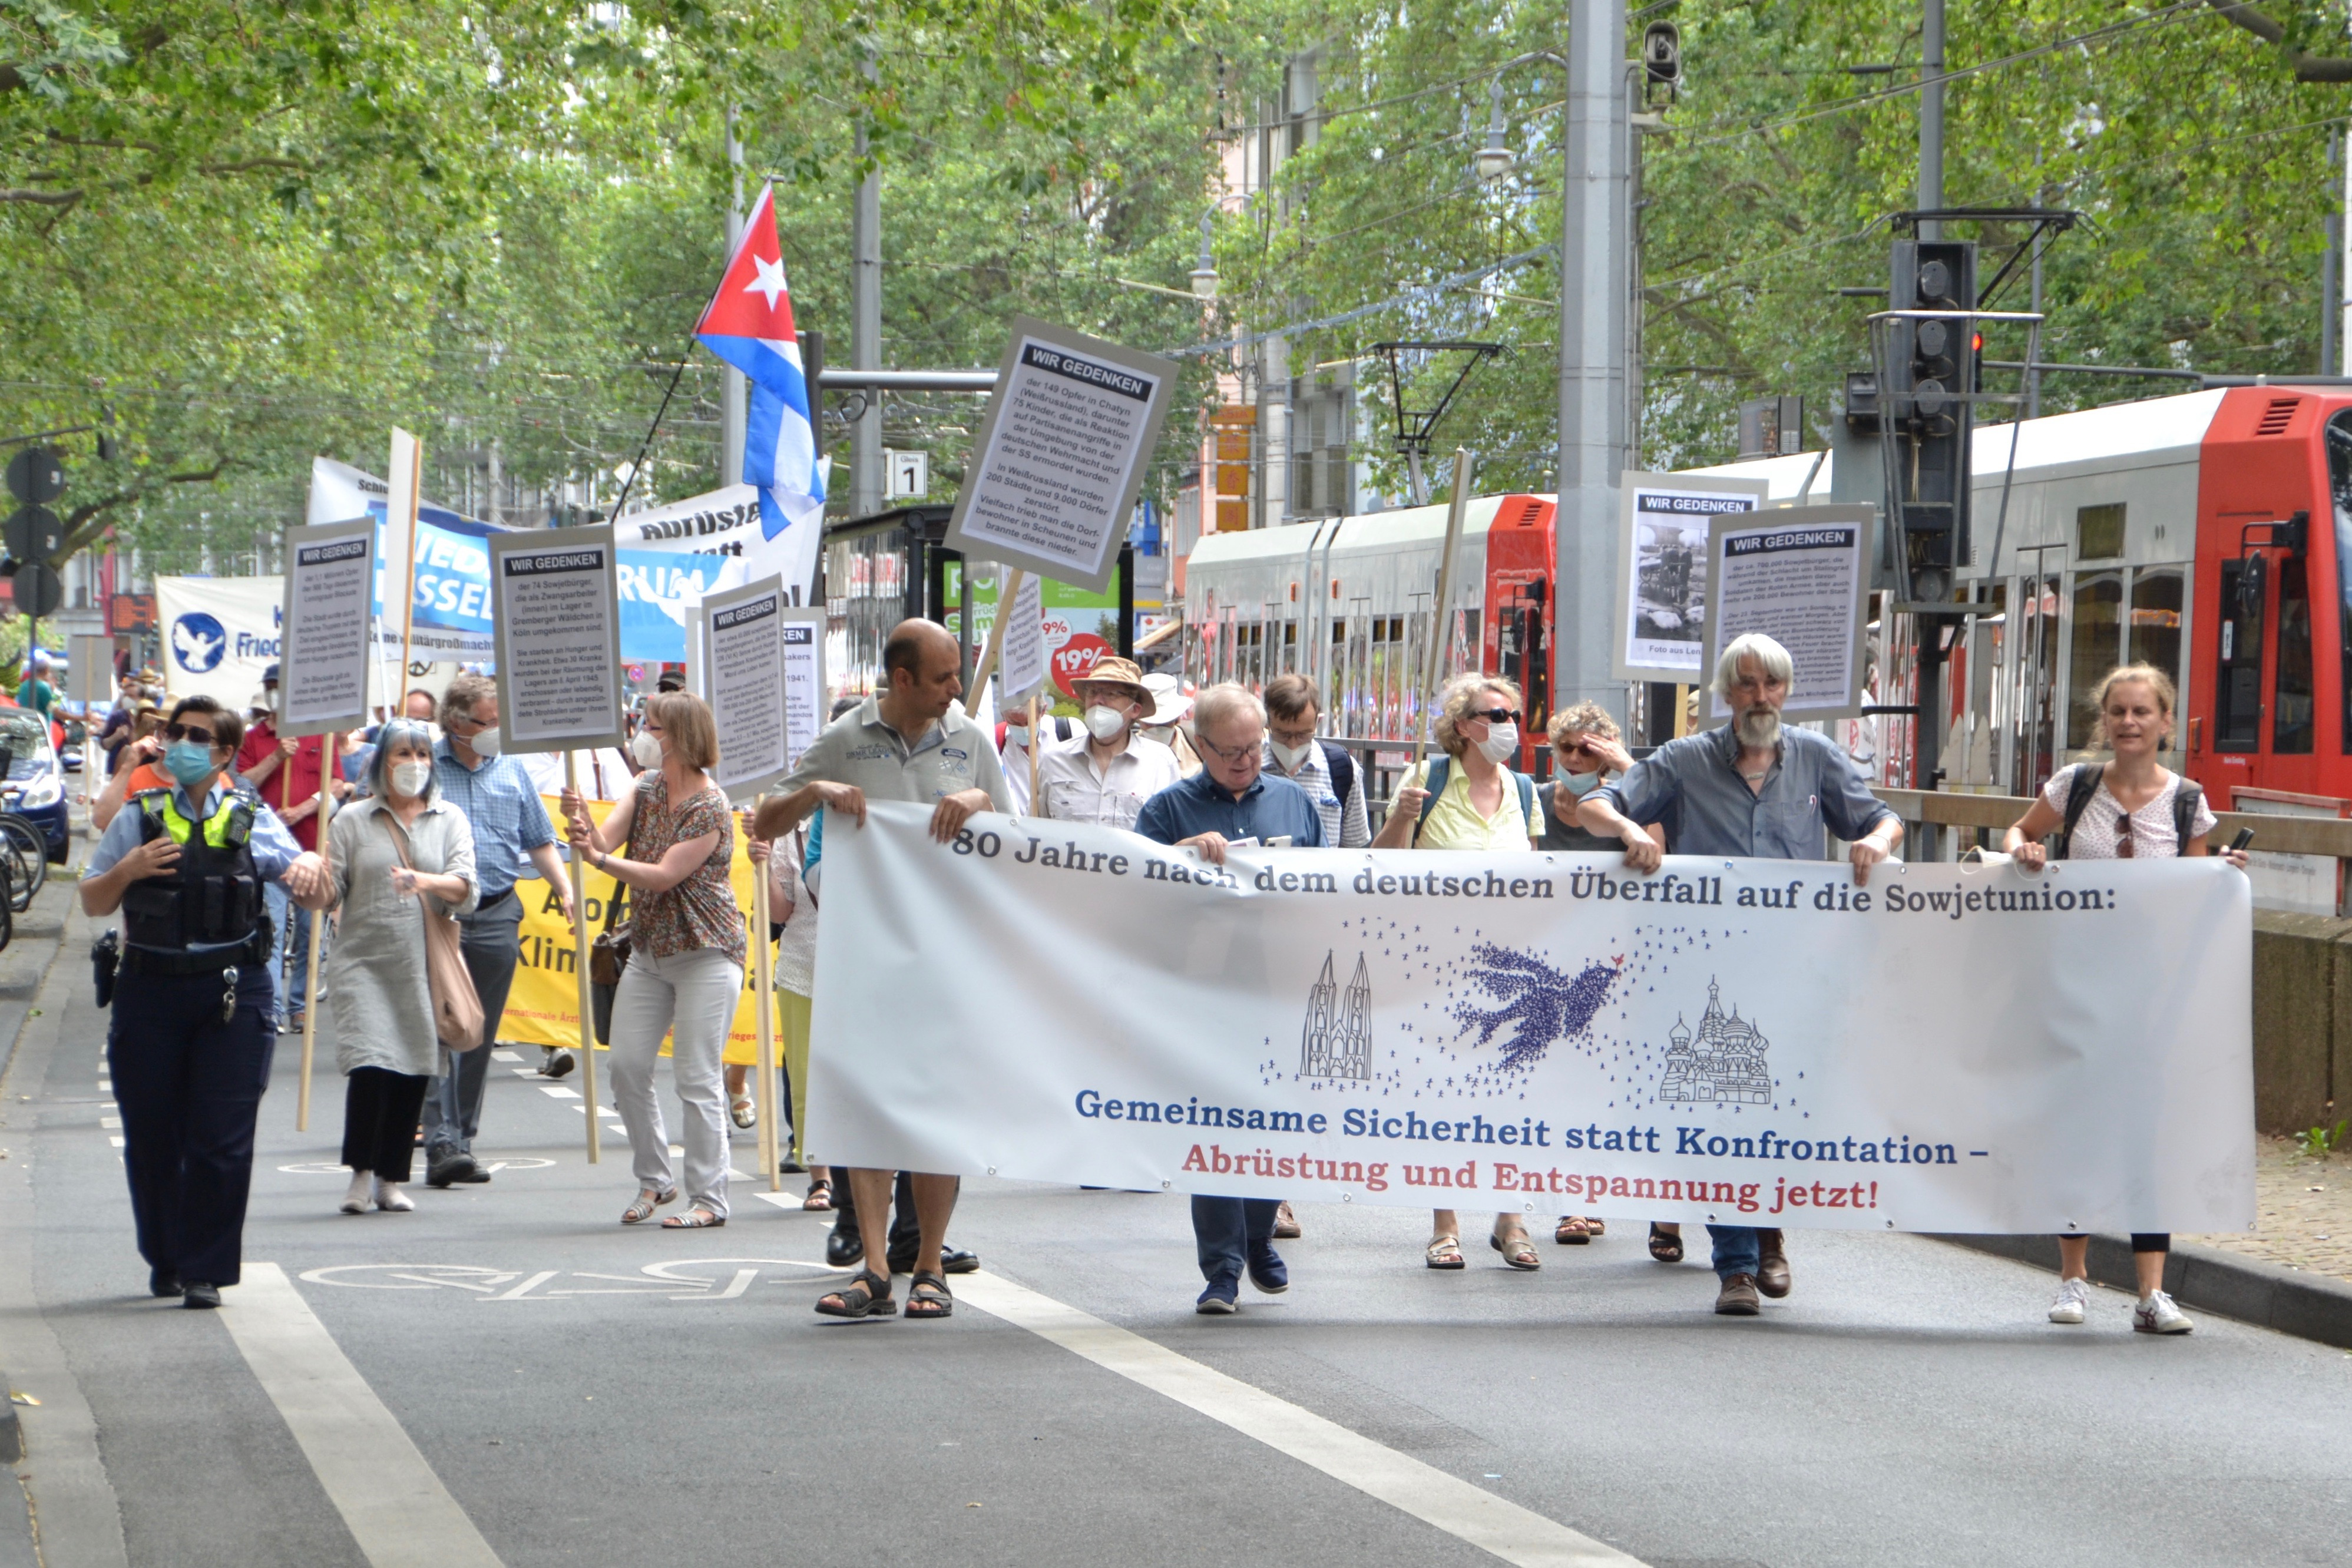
(191, 1041)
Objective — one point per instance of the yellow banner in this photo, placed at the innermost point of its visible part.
(543, 1007)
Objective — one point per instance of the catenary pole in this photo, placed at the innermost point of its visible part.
(1441, 614)
(1931, 116)
(1594, 290)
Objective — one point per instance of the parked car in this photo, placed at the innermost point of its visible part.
(35, 787)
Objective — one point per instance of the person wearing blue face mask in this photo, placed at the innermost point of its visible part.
(191, 1041)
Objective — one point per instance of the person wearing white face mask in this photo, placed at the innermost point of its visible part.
(1108, 778)
(1470, 799)
(511, 825)
(401, 843)
(1327, 773)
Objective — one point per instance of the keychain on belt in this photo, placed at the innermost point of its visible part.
(228, 993)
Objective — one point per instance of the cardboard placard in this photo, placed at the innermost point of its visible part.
(1802, 576)
(325, 628)
(1662, 603)
(559, 636)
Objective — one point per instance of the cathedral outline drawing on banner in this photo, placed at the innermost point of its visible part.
(1722, 1064)
(1337, 1040)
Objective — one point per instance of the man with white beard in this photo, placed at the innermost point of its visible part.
(1750, 788)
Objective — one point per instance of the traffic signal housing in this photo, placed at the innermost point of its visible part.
(1931, 374)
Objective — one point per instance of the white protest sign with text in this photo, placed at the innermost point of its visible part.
(744, 672)
(329, 632)
(1800, 576)
(1061, 454)
(1663, 598)
(1733, 1041)
(558, 631)
(1020, 666)
(805, 704)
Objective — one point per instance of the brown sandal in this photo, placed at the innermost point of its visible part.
(928, 1296)
(819, 1198)
(867, 1296)
(1596, 1226)
(1665, 1245)
(1574, 1231)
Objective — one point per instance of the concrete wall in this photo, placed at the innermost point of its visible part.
(2303, 1020)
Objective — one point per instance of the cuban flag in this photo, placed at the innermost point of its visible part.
(749, 325)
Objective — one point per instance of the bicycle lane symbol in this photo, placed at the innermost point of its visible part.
(673, 1280)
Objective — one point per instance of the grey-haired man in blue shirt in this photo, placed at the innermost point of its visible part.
(1749, 788)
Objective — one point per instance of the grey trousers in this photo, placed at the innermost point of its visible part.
(453, 1105)
(690, 996)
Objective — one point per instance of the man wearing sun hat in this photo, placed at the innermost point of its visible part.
(1108, 779)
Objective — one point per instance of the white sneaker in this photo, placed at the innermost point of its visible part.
(392, 1199)
(2158, 1315)
(2074, 1300)
(355, 1199)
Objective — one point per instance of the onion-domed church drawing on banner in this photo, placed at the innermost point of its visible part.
(1723, 1064)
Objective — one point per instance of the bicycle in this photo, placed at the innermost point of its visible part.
(25, 851)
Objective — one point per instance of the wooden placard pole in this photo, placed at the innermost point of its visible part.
(1035, 741)
(317, 936)
(763, 986)
(396, 702)
(580, 969)
(1011, 591)
(1440, 612)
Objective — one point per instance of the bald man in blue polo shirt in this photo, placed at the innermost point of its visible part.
(1232, 804)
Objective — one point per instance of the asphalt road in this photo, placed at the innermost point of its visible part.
(509, 1376)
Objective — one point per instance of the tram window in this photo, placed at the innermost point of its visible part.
(2237, 688)
(2098, 648)
(2339, 489)
(2156, 605)
(2292, 708)
(2099, 532)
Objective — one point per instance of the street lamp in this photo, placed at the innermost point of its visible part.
(1205, 276)
(1495, 160)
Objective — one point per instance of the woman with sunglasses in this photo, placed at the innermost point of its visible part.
(190, 1041)
(1478, 802)
(2130, 808)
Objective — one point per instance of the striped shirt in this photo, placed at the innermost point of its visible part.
(509, 818)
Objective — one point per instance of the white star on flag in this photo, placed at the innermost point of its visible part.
(770, 280)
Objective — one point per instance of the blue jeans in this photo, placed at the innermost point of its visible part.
(1224, 1229)
(291, 964)
(280, 907)
(1736, 1250)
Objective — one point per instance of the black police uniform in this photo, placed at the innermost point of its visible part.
(191, 1041)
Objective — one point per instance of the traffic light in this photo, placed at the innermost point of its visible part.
(1931, 372)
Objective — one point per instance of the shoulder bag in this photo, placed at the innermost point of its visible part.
(456, 1009)
(608, 955)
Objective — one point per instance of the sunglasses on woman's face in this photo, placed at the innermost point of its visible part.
(202, 737)
(1495, 715)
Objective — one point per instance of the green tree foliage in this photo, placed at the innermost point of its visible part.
(2200, 160)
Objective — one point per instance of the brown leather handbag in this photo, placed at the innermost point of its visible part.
(457, 1008)
(607, 956)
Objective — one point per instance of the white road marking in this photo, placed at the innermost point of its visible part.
(116, 1142)
(1470, 1513)
(500, 1053)
(112, 1121)
(398, 1511)
(558, 1092)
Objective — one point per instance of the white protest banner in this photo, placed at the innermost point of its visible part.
(1061, 454)
(328, 613)
(726, 521)
(558, 631)
(448, 609)
(1663, 598)
(219, 634)
(1021, 663)
(1804, 580)
(1758, 1042)
(749, 683)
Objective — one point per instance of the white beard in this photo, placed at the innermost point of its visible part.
(1757, 727)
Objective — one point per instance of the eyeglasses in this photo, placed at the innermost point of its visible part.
(1495, 715)
(2123, 837)
(188, 732)
(1224, 754)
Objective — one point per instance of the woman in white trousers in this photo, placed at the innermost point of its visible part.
(687, 948)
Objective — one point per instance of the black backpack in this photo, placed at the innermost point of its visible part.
(1441, 769)
(1343, 768)
(2085, 785)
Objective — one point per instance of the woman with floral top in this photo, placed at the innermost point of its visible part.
(687, 948)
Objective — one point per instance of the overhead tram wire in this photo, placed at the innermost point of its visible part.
(2181, 11)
